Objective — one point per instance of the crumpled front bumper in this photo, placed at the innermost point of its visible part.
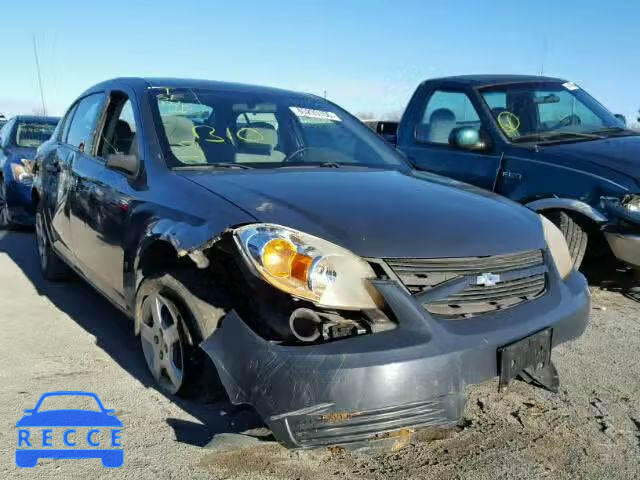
(623, 232)
(368, 387)
(625, 247)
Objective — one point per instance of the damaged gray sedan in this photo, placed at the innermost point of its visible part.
(271, 248)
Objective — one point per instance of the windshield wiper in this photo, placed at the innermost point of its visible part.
(330, 165)
(546, 136)
(202, 166)
(615, 131)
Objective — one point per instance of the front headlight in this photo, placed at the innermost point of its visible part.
(632, 203)
(558, 247)
(23, 172)
(308, 267)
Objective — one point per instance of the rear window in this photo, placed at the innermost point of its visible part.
(33, 134)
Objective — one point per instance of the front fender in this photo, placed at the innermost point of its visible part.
(571, 204)
(188, 236)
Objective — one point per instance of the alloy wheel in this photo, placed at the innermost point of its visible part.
(41, 241)
(162, 342)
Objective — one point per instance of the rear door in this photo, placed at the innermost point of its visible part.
(79, 143)
(436, 111)
(56, 184)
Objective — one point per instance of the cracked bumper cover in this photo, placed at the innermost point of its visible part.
(364, 387)
(624, 243)
(625, 247)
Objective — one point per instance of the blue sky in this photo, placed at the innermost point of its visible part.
(367, 55)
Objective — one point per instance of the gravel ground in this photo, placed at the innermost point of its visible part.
(66, 337)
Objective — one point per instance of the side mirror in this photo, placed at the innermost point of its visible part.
(28, 411)
(622, 118)
(123, 162)
(469, 138)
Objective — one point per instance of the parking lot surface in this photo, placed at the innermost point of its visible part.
(67, 337)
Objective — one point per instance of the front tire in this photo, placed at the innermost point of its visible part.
(576, 236)
(51, 266)
(5, 214)
(172, 322)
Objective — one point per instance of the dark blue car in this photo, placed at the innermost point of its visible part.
(58, 418)
(19, 139)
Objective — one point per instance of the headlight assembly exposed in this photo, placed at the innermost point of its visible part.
(308, 267)
(558, 247)
(632, 203)
(23, 172)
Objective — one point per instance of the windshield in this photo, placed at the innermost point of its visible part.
(539, 111)
(235, 129)
(31, 134)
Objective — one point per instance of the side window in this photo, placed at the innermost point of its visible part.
(83, 124)
(444, 112)
(65, 123)
(119, 132)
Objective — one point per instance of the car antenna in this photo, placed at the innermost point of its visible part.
(35, 53)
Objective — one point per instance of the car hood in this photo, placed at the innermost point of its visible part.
(621, 154)
(69, 418)
(376, 213)
(16, 154)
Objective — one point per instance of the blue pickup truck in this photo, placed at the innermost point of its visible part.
(543, 142)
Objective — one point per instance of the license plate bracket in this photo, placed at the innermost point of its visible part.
(532, 353)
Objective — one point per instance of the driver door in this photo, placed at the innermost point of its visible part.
(428, 146)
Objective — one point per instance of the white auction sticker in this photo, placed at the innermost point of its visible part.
(570, 86)
(311, 113)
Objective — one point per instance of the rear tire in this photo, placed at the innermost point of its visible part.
(174, 314)
(51, 266)
(576, 236)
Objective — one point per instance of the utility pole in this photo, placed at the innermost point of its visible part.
(35, 53)
(544, 54)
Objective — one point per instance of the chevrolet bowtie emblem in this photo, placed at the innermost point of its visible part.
(487, 279)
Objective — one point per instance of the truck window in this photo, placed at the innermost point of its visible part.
(443, 112)
(564, 105)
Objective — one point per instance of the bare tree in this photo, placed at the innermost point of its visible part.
(366, 115)
(393, 116)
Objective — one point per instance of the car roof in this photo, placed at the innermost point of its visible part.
(141, 83)
(485, 80)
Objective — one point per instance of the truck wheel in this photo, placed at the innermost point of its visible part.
(51, 266)
(174, 316)
(576, 236)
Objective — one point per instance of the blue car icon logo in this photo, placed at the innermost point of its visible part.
(84, 432)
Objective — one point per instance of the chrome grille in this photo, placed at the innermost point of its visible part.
(521, 280)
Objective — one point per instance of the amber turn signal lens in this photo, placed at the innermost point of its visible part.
(277, 257)
(300, 267)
